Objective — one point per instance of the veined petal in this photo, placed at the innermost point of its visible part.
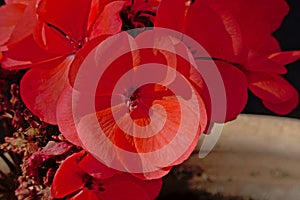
(26, 53)
(261, 63)
(207, 27)
(270, 88)
(230, 23)
(52, 40)
(285, 57)
(109, 21)
(285, 107)
(267, 17)
(68, 177)
(9, 16)
(64, 115)
(25, 26)
(41, 88)
(69, 16)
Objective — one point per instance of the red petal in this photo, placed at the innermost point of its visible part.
(68, 177)
(64, 115)
(267, 17)
(172, 20)
(153, 175)
(9, 16)
(42, 87)
(271, 88)
(69, 17)
(50, 39)
(205, 26)
(25, 25)
(95, 168)
(257, 62)
(285, 57)
(18, 1)
(230, 23)
(131, 188)
(268, 45)
(96, 9)
(285, 107)
(85, 194)
(109, 21)
(236, 88)
(26, 53)
(81, 55)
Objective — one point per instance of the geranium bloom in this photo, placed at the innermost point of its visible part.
(56, 32)
(147, 120)
(81, 176)
(238, 36)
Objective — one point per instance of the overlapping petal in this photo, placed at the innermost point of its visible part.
(41, 88)
(274, 90)
(17, 21)
(73, 23)
(73, 179)
(202, 23)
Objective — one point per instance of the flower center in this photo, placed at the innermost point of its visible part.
(134, 17)
(133, 100)
(93, 184)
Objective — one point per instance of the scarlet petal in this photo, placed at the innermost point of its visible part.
(95, 168)
(108, 22)
(236, 87)
(172, 20)
(97, 8)
(267, 18)
(52, 40)
(69, 17)
(285, 107)
(285, 57)
(81, 55)
(230, 23)
(64, 115)
(41, 88)
(131, 188)
(85, 194)
(272, 89)
(9, 16)
(25, 25)
(26, 53)
(267, 46)
(205, 26)
(261, 63)
(68, 178)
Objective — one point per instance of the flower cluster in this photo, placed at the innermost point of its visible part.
(135, 131)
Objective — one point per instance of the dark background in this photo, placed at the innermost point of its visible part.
(289, 37)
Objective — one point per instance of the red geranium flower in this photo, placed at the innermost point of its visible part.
(238, 36)
(58, 29)
(81, 177)
(147, 121)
